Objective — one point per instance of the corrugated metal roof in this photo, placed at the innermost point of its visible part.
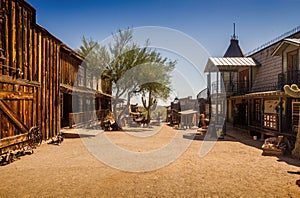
(229, 63)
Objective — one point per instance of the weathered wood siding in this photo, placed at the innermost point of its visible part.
(266, 75)
(18, 92)
(48, 109)
(30, 95)
(69, 67)
(289, 48)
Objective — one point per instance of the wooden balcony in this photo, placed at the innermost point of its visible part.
(289, 78)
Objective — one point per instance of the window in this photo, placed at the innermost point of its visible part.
(81, 74)
(257, 112)
(244, 81)
(292, 67)
(296, 113)
(271, 114)
(270, 121)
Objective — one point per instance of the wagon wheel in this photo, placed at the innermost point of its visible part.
(34, 137)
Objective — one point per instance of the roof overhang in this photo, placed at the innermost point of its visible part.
(188, 112)
(229, 63)
(261, 95)
(69, 89)
(282, 46)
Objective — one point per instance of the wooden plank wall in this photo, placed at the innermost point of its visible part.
(48, 95)
(69, 67)
(271, 66)
(267, 73)
(16, 41)
(33, 98)
(33, 50)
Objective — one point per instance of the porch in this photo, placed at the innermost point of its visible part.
(266, 114)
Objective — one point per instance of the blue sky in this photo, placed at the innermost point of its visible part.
(209, 22)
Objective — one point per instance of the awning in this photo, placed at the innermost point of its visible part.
(260, 95)
(99, 94)
(187, 112)
(278, 50)
(69, 89)
(229, 63)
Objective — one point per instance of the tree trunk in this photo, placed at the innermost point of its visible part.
(149, 108)
(115, 109)
(119, 118)
(117, 125)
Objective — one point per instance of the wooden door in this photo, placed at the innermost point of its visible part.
(244, 81)
(292, 67)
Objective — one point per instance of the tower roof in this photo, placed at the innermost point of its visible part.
(234, 49)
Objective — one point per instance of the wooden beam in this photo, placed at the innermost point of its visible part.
(5, 142)
(12, 116)
(10, 80)
(13, 95)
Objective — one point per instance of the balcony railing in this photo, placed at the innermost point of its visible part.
(231, 88)
(288, 78)
(243, 87)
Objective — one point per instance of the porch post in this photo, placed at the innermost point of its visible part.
(217, 100)
(230, 88)
(280, 115)
(249, 112)
(262, 117)
(250, 87)
(209, 93)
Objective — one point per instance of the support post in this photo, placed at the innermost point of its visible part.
(262, 118)
(217, 99)
(280, 115)
(249, 112)
(209, 93)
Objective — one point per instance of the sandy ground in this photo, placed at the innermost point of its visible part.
(230, 169)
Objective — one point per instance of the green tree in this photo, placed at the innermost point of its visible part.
(97, 58)
(158, 87)
(129, 69)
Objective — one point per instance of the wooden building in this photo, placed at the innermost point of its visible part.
(82, 99)
(203, 103)
(38, 75)
(254, 86)
(29, 67)
(184, 112)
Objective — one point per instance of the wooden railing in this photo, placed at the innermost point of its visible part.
(289, 78)
(80, 118)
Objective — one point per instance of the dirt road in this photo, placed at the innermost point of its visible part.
(230, 169)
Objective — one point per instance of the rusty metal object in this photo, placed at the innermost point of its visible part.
(34, 137)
